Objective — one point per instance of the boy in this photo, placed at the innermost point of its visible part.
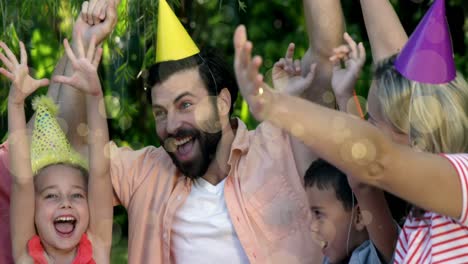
(343, 228)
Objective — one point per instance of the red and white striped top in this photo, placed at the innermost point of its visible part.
(435, 238)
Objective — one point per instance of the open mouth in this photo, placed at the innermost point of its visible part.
(65, 225)
(184, 146)
(319, 241)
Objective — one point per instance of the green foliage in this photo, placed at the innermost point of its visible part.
(43, 24)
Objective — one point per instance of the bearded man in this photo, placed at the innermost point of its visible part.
(216, 192)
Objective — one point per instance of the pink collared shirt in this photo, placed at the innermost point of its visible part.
(5, 190)
(263, 192)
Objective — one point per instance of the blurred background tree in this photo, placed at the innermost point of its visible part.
(272, 25)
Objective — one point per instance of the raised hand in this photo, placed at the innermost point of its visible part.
(287, 74)
(258, 94)
(354, 57)
(85, 65)
(246, 70)
(18, 73)
(97, 18)
(93, 12)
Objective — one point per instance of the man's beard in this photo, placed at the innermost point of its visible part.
(198, 165)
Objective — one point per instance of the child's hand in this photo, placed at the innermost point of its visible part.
(18, 73)
(287, 74)
(85, 77)
(354, 57)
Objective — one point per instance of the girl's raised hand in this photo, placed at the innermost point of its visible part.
(85, 65)
(18, 73)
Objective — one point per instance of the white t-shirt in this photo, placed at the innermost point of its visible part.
(436, 238)
(202, 231)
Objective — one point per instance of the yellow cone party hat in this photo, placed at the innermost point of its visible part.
(173, 41)
(49, 144)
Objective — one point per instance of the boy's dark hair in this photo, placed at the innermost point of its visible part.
(324, 176)
(215, 73)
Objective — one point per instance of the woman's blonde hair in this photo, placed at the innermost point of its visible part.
(435, 117)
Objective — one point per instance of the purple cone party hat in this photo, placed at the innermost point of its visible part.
(427, 57)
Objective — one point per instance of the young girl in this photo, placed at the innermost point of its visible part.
(437, 183)
(60, 211)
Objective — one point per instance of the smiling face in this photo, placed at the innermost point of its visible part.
(187, 121)
(61, 210)
(331, 224)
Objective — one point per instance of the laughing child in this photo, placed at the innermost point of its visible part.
(61, 207)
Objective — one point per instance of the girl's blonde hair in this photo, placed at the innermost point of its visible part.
(435, 117)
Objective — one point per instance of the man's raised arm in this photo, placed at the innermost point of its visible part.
(386, 34)
(325, 28)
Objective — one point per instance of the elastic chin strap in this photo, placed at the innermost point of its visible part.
(350, 223)
(211, 73)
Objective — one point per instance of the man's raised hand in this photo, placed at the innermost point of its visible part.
(97, 18)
